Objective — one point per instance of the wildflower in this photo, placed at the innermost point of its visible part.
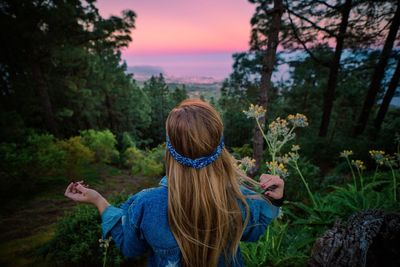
(358, 164)
(279, 127)
(105, 243)
(378, 156)
(346, 153)
(390, 161)
(255, 111)
(280, 215)
(293, 156)
(277, 168)
(298, 120)
(246, 163)
(284, 159)
(295, 148)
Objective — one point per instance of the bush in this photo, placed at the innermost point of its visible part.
(241, 152)
(23, 167)
(126, 141)
(280, 245)
(148, 163)
(46, 157)
(102, 143)
(131, 158)
(77, 156)
(76, 240)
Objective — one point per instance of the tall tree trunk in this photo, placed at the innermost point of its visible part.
(43, 93)
(266, 73)
(329, 95)
(378, 74)
(394, 82)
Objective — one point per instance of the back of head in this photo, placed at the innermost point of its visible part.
(203, 208)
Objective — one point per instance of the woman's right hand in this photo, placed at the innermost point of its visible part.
(274, 185)
(80, 193)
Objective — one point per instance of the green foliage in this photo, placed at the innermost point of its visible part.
(161, 104)
(126, 141)
(77, 156)
(243, 151)
(25, 166)
(148, 163)
(102, 143)
(76, 80)
(279, 246)
(76, 240)
(44, 153)
(294, 186)
(179, 94)
(237, 92)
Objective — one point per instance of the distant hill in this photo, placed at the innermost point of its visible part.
(143, 73)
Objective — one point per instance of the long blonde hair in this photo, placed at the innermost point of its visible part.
(203, 204)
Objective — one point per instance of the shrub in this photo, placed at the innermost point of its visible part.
(76, 241)
(241, 152)
(280, 245)
(102, 143)
(126, 141)
(148, 163)
(77, 155)
(46, 157)
(132, 158)
(23, 167)
(151, 168)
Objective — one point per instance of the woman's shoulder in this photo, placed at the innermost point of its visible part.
(151, 194)
(146, 197)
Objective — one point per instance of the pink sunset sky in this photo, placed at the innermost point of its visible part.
(185, 37)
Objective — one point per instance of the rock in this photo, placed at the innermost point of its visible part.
(369, 238)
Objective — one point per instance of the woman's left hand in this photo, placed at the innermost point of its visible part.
(274, 185)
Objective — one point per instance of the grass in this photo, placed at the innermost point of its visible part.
(22, 251)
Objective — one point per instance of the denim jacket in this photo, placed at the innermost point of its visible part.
(141, 225)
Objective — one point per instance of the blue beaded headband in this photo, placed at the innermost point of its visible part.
(199, 162)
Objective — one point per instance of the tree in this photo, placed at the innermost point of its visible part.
(238, 91)
(378, 74)
(348, 24)
(266, 26)
(390, 92)
(179, 94)
(161, 104)
(48, 71)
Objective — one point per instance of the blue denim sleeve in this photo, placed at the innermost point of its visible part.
(124, 226)
(261, 214)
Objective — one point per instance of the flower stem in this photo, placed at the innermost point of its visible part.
(352, 172)
(376, 171)
(105, 258)
(263, 134)
(270, 147)
(394, 184)
(361, 179)
(305, 184)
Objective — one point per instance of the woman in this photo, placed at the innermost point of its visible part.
(199, 213)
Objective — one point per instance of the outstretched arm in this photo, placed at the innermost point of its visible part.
(121, 223)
